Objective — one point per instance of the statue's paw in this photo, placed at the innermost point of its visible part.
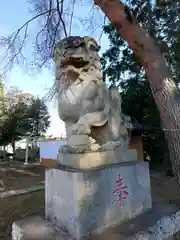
(108, 146)
(95, 147)
(72, 149)
(111, 145)
(67, 149)
(81, 129)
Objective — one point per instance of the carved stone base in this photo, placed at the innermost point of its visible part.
(94, 160)
(83, 203)
(161, 222)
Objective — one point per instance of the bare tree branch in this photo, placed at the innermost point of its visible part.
(11, 42)
(102, 29)
(45, 39)
(71, 17)
(60, 12)
(149, 17)
(52, 19)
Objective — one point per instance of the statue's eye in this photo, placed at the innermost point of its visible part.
(94, 47)
(65, 43)
(77, 42)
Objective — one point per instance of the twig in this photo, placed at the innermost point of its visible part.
(12, 38)
(104, 21)
(60, 12)
(71, 17)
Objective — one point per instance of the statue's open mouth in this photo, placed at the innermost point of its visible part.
(77, 62)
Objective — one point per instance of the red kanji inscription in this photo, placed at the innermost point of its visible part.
(120, 191)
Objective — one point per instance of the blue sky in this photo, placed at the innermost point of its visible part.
(12, 17)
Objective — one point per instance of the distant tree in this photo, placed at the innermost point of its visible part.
(20, 116)
(1, 87)
(38, 117)
(14, 105)
(1, 94)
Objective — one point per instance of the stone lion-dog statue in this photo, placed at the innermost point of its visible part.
(91, 112)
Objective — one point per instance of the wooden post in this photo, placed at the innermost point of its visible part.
(27, 151)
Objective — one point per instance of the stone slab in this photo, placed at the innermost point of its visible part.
(161, 222)
(158, 223)
(90, 160)
(35, 228)
(86, 202)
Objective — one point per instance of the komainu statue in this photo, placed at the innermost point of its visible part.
(92, 112)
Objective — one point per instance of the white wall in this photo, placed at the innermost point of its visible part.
(49, 149)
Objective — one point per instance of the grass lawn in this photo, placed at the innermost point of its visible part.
(14, 208)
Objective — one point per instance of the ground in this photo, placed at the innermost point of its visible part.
(13, 208)
(164, 189)
(16, 176)
(12, 177)
(16, 207)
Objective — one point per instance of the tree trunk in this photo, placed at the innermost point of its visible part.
(14, 148)
(161, 81)
(4, 153)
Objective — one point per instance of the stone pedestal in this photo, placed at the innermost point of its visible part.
(84, 203)
(92, 160)
(160, 222)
